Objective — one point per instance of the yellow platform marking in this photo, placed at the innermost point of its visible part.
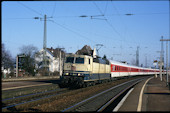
(141, 94)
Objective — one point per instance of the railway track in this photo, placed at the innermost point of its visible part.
(105, 100)
(25, 99)
(79, 99)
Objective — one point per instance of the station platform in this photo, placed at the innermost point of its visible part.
(155, 96)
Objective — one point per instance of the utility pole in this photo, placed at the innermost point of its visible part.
(17, 66)
(44, 41)
(137, 56)
(146, 61)
(161, 59)
(166, 57)
(44, 45)
(60, 65)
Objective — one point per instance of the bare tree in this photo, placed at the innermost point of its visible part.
(7, 62)
(28, 50)
(28, 62)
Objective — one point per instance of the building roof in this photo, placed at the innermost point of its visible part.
(86, 50)
(56, 52)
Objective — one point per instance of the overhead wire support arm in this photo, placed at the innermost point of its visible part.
(129, 14)
(83, 16)
(93, 17)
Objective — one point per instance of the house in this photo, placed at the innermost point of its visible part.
(86, 50)
(55, 58)
(5, 72)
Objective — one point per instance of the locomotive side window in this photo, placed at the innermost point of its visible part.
(69, 59)
(79, 60)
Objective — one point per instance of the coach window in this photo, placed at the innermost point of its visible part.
(113, 68)
(89, 61)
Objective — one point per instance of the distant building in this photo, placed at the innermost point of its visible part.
(5, 72)
(53, 56)
(86, 50)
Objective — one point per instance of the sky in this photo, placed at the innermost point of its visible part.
(73, 24)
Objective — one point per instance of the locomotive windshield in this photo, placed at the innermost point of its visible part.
(69, 59)
(79, 60)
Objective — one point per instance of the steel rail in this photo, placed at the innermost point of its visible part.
(27, 95)
(92, 97)
(115, 97)
(6, 107)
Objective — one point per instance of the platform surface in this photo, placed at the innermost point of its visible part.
(155, 96)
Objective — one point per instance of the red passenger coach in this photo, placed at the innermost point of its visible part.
(121, 69)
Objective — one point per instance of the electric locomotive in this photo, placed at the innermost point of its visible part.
(84, 70)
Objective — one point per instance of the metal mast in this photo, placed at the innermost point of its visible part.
(44, 44)
(166, 56)
(161, 59)
(137, 56)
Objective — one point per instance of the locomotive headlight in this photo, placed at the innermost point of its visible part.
(80, 74)
(67, 74)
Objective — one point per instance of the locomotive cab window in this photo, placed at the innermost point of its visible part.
(69, 59)
(79, 60)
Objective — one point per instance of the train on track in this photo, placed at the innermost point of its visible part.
(82, 70)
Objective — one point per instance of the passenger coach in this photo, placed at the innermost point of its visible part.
(121, 69)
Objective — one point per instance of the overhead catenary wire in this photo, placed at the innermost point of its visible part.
(107, 20)
(79, 34)
(105, 7)
(29, 8)
(122, 22)
(138, 14)
(16, 18)
(53, 10)
(90, 40)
